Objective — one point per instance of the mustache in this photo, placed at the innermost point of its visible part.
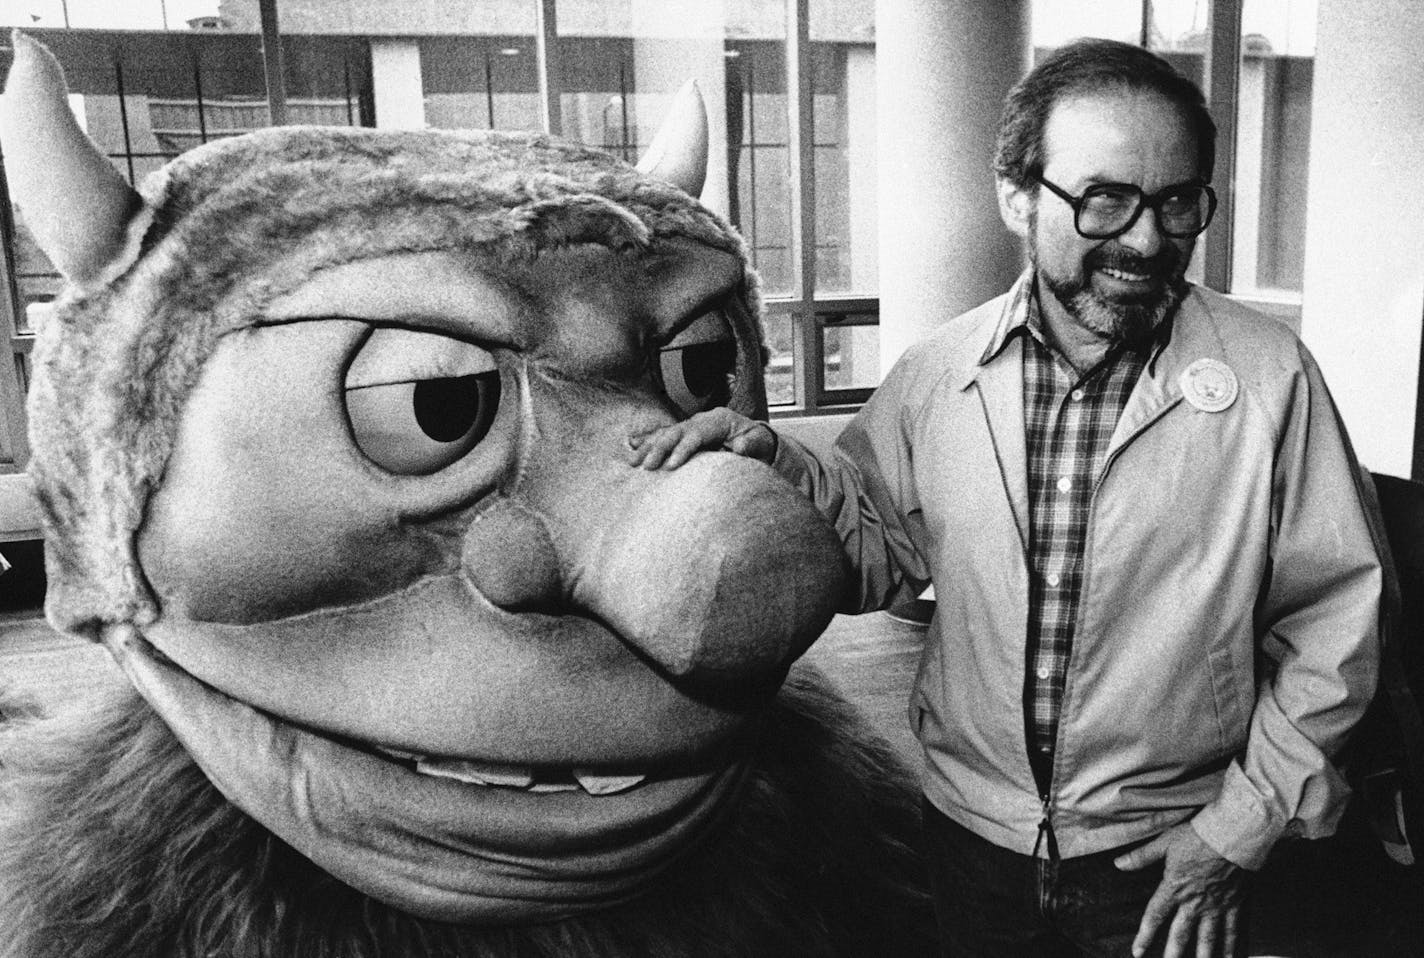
(1162, 264)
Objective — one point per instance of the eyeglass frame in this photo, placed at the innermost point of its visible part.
(1144, 201)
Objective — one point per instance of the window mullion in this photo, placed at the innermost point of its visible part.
(1223, 75)
(272, 62)
(546, 51)
(801, 146)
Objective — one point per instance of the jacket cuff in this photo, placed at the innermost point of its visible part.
(1240, 825)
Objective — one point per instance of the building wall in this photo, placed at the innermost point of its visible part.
(1364, 261)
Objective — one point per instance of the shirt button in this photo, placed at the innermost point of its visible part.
(1043, 671)
(1065, 483)
(1052, 578)
(1076, 395)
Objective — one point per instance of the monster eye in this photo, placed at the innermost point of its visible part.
(418, 402)
(696, 369)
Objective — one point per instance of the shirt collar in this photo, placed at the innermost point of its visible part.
(1021, 317)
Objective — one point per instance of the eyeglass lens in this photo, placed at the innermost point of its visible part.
(1109, 209)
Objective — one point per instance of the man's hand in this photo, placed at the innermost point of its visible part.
(1201, 893)
(720, 428)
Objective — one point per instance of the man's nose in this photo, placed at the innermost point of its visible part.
(1145, 236)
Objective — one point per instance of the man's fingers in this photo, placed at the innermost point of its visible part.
(1158, 910)
(1179, 936)
(1229, 928)
(1209, 936)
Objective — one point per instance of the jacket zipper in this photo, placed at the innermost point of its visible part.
(1045, 831)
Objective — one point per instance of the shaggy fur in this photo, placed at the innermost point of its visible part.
(114, 845)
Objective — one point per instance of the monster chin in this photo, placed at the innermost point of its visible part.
(436, 843)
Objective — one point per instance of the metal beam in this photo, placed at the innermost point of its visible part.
(802, 162)
(272, 63)
(1223, 81)
(546, 51)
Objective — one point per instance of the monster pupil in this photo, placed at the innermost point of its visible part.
(705, 367)
(449, 409)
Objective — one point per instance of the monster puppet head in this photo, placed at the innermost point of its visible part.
(329, 432)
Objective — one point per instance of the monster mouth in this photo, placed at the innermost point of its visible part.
(454, 840)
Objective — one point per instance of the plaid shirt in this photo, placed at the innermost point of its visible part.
(1068, 423)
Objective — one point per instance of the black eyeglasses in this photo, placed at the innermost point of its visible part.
(1106, 210)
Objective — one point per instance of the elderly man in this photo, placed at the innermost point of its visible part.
(1157, 594)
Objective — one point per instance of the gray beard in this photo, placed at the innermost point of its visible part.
(1133, 324)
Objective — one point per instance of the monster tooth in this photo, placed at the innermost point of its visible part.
(606, 784)
(477, 773)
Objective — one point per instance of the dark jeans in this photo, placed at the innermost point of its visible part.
(994, 903)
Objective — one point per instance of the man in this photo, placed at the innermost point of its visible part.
(1157, 594)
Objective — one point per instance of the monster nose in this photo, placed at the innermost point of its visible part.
(717, 571)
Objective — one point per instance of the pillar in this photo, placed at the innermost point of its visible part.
(1364, 253)
(942, 70)
(398, 86)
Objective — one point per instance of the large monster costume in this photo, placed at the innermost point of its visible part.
(329, 434)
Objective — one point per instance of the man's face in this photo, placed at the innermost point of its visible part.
(1123, 287)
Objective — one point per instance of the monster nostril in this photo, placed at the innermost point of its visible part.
(511, 560)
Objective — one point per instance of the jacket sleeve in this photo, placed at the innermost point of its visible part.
(866, 489)
(1318, 619)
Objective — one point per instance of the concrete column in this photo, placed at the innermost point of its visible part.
(942, 69)
(398, 86)
(1364, 253)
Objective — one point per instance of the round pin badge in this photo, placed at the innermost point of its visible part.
(1209, 384)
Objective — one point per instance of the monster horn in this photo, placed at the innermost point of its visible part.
(678, 152)
(73, 200)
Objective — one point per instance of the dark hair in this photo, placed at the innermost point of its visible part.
(1089, 66)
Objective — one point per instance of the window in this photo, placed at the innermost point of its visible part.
(789, 86)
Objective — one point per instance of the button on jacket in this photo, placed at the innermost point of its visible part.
(1227, 636)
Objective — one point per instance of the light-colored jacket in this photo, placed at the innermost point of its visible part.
(1227, 637)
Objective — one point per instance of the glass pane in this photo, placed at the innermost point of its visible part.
(780, 385)
(480, 82)
(622, 61)
(1272, 146)
(843, 78)
(851, 357)
(1054, 22)
(452, 66)
(108, 15)
(327, 80)
(1177, 30)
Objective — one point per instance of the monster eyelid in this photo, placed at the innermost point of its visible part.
(395, 354)
(706, 325)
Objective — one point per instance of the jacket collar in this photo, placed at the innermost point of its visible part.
(992, 362)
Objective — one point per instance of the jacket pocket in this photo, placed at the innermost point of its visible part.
(1231, 711)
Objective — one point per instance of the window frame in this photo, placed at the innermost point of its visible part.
(810, 313)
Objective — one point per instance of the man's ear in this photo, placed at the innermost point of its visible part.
(1015, 206)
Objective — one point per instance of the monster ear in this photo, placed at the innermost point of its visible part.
(678, 152)
(74, 201)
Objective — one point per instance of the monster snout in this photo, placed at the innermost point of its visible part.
(718, 571)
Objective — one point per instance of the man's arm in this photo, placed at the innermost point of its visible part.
(865, 488)
(1319, 618)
